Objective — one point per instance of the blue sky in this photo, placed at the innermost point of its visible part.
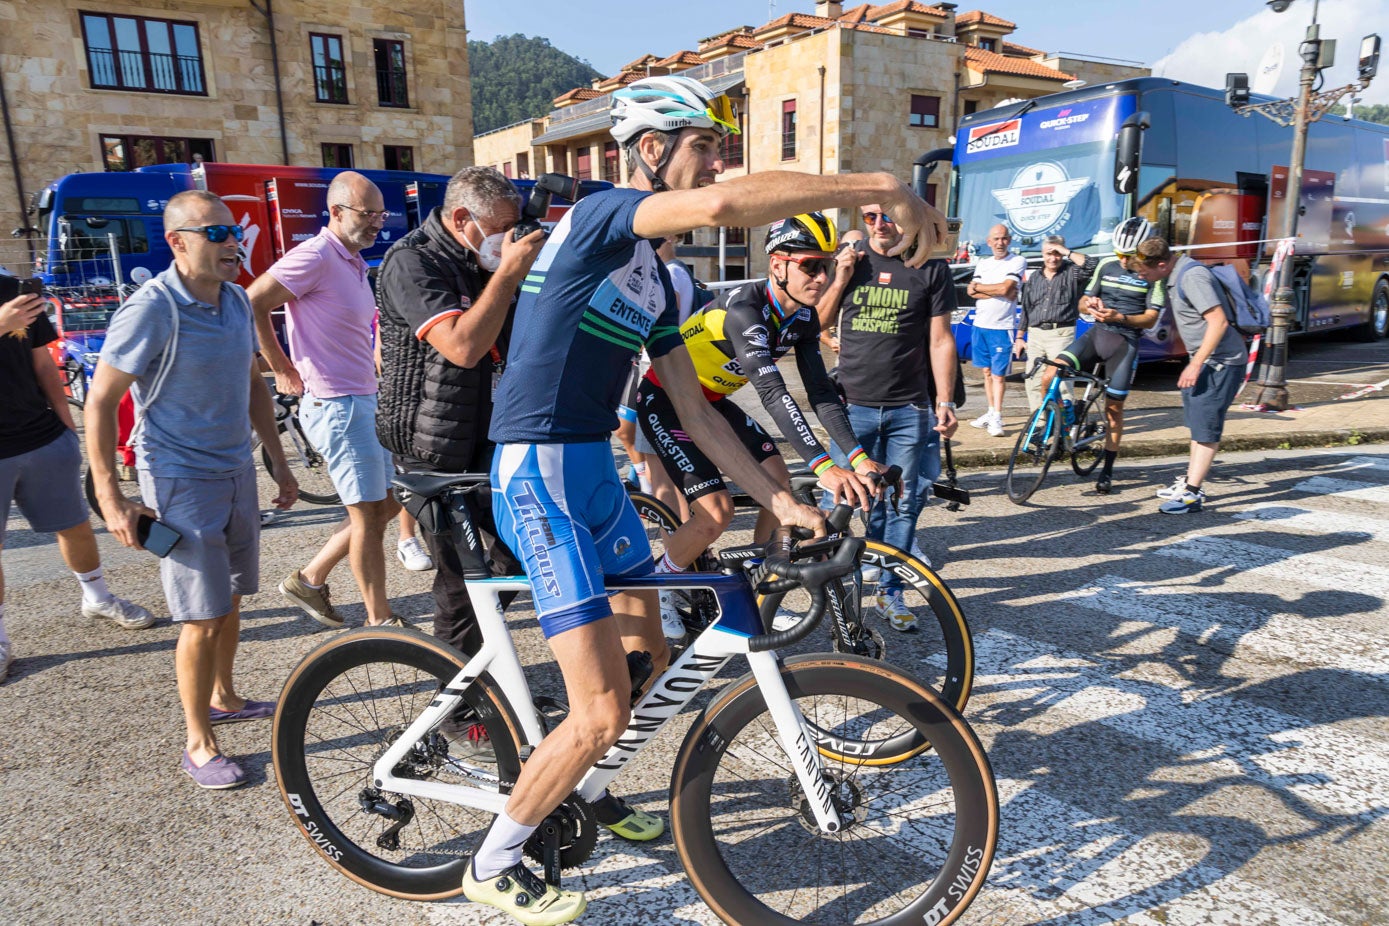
(1195, 40)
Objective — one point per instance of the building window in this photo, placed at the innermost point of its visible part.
(731, 150)
(336, 155)
(523, 164)
(506, 169)
(390, 73)
(971, 107)
(735, 271)
(925, 111)
(788, 130)
(988, 44)
(400, 157)
(612, 171)
(139, 53)
(127, 152)
(583, 164)
(329, 69)
(735, 236)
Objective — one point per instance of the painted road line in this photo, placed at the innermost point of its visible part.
(1366, 463)
(1311, 521)
(1313, 570)
(1319, 763)
(1228, 627)
(1352, 489)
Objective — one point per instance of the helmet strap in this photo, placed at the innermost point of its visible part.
(784, 284)
(653, 176)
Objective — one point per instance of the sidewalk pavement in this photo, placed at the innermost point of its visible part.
(1160, 431)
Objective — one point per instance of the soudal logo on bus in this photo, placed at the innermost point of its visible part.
(1037, 198)
(1064, 120)
(993, 137)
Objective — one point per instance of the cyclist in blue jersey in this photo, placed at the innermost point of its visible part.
(1123, 305)
(596, 295)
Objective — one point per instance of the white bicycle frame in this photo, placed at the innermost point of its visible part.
(675, 688)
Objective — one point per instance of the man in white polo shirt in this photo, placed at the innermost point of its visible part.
(994, 288)
(330, 308)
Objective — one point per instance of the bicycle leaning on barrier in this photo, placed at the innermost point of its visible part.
(783, 764)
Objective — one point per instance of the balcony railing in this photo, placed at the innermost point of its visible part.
(390, 87)
(330, 83)
(155, 72)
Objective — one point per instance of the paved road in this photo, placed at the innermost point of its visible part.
(1186, 717)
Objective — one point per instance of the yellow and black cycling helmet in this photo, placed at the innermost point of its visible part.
(810, 231)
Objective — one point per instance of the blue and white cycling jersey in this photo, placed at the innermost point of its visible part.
(596, 295)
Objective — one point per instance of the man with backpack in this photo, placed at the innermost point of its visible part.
(1206, 303)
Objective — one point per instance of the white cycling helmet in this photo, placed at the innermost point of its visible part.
(1130, 234)
(669, 104)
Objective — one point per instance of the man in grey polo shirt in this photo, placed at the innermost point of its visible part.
(1213, 376)
(184, 345)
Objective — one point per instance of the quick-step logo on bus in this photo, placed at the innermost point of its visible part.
(1037, 198)
(992, 137)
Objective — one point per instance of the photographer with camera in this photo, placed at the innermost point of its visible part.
(41, 457)
(446, 292)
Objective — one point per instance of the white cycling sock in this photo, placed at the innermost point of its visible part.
(664, 564)
(501, 847)
(4, 636)
(94, 590)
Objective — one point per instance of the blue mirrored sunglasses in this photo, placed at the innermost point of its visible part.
(216, 233)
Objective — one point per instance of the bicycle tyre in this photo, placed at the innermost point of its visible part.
(1037, 444)
(307, 464)
(1089, 424)
(343, 704)
(731, 807)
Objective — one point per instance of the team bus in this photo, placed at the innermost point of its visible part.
(1205, 177)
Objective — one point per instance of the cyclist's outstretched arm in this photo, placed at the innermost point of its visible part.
(763, 198)
(714, 436)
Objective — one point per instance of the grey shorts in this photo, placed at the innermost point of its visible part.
(343, 430)
(46, 484)
(219, 555)
(1208, 402)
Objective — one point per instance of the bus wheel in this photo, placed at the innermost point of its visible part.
(1378, 325)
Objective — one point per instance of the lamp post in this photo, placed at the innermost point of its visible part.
(1310, 105)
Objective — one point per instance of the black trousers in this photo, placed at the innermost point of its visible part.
(455, 621)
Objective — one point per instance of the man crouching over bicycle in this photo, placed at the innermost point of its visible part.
(765, 320)
(1123, 305)
(596, 295)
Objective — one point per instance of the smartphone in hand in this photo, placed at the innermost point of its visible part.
(157, 537)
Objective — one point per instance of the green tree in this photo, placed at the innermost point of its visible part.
(517, 77)
(1373, 112)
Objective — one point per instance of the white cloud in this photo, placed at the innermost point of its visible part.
(1205, 57)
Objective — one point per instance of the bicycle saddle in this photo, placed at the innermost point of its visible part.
(428, 485)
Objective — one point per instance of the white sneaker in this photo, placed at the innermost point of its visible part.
(413, 556)
(6, 657)
(896, 611)
(671, 624)
(983, 420)
(995, 424)
(125, 613)
(1175, 490)
(870, 575)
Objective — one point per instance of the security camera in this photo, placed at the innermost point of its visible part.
(1279, 6)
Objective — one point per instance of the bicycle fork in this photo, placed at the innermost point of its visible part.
(801, 749)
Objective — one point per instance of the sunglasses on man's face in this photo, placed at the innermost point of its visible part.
(873, 218)
(216, 233)
(812, 266)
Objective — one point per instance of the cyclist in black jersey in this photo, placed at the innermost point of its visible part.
(741, 344)
(1123, 305)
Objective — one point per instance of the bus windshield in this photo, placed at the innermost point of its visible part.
(1046, 172)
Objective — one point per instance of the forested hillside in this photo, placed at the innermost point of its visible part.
(517, 77)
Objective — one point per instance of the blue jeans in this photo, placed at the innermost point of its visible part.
(902, 436)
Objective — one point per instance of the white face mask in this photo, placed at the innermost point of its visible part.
(489, 253)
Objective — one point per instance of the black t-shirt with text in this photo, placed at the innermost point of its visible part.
(26, 421)
(885, 329)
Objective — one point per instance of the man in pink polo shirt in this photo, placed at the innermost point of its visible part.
(329, 305)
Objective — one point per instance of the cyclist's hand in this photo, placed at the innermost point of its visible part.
(791, 513)
(517, 256)
(289, 382)
(288, 486)
(123, 519)
(848, 488)
(921, 224)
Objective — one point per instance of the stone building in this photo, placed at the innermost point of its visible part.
(860, 89)
(93, 86)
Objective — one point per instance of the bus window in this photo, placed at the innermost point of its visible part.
(87, 237)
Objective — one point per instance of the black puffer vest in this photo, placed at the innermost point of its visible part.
(429, 408)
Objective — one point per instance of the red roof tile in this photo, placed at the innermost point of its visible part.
(979, 16)
(1016, 50)
(980, 60)
(679, 59)
(578, 95)
(911, 6)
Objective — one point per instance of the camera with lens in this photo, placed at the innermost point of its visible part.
(547, 186)
(14, 287)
